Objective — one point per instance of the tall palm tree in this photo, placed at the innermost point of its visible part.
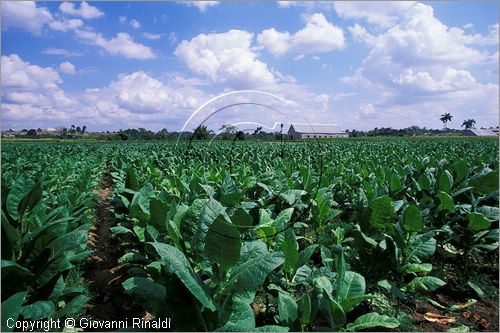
(445, 117)
(469, 123)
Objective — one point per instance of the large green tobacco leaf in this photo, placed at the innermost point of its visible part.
(353, 285)
(58, 288)
(52, 268)
(395, 183)
(11, 309)
(306, 254)
(12, 271)
(139, 207)
(287, 308)
(38, 310)
(210, 211)
(381, 211)
(461, 170)
(242, 219)
(489, 212)
(333, 311)
(31, 199)
(21, 187)
(131, 180)
(223, 243)
(412, 219)
(282, 225)
(179, 265)
(229, 193)
(445, 181)
(486, 183)
(292, 196)
(10, 239)
(289, 248)
(420, 247)
(478, 222)
(241, 317)
(351, 291)
(424, 284)
(425, 182)
(76, 305)
(445, 202)
(158, 214)
(250, 275)
(147, 292)
(74, 240)
(252, 249)
(305, 309)
(371, 320)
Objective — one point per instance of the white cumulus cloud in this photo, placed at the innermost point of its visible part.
(201, 5)
(225, 58)
(122, 44)
(66, 25)
(67, 67)
(61, 52)
(135, 24)
(31, 92)
(318, 35)
(85, 11)
(422, 66)
(385, 14)
(151, 36)
(25, 15)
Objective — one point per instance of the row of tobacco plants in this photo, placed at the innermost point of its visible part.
(254, 236)
(303, 236)
(47, 211)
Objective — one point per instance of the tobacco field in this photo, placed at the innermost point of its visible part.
(343, 235)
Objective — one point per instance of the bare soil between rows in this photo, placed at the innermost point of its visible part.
(102, 269)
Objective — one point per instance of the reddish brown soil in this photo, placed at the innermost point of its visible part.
(103, 270)
(479, 317)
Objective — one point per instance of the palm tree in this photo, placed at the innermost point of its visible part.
(445, 117)
(469, 123)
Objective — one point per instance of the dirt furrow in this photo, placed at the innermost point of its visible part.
(103, 270)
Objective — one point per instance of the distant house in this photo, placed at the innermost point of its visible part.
(311, 131)
(11, 133)
(478, 132)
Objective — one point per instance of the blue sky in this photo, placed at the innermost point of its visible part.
(113, 65)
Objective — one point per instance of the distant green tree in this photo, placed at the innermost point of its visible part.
(162, 134)
(31, 132)
(227, 131)
(202, 133)
(445, 117)
(469, 123)
(84, 129)
(78, 129)
(257, 131)
(240, 135)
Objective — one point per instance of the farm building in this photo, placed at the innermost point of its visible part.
(309, 131)
(478, 132)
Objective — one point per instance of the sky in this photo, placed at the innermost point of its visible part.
(179, 64)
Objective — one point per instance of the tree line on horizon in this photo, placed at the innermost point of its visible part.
(230, 132)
